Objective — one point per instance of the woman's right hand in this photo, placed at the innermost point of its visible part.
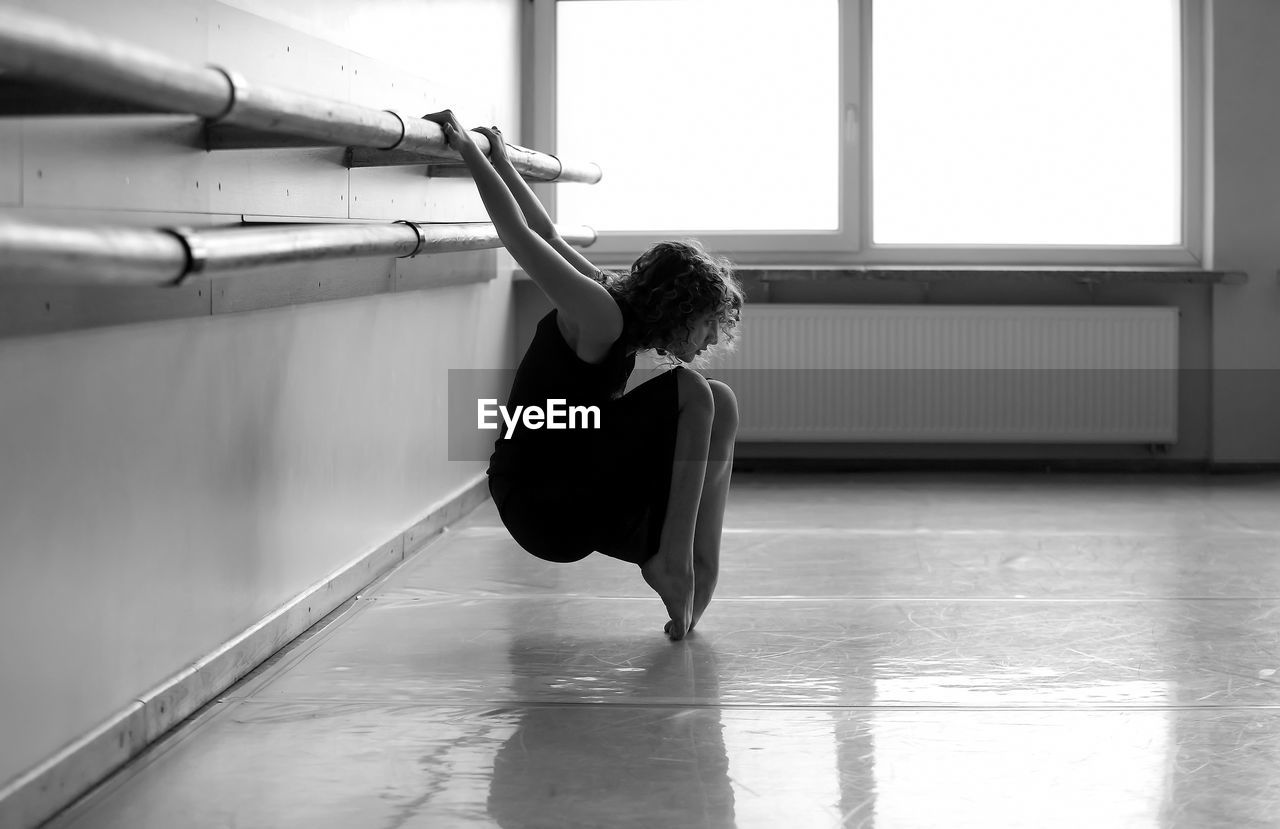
(534, 213)
(497, 146)
(455, 135)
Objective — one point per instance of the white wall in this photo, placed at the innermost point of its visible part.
(164, 486)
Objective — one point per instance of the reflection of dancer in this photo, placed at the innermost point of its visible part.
(649, 484)
(608, 764)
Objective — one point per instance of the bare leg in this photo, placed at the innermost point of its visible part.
(670, 572)
(715, 494)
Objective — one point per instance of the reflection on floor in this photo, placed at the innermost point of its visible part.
(884, 650)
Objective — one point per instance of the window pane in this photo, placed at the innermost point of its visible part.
(704, 114)
(1054, 122)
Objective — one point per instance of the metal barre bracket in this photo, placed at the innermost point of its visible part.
(220, 136)
(197, 255)
(404, 131)
(422, 239)
(234, 81)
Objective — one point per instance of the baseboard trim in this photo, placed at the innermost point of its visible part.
(37, 795)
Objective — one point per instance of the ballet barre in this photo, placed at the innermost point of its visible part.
(51, 254)
(37, 52)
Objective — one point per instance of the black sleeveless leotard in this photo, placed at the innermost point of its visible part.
(563, 494)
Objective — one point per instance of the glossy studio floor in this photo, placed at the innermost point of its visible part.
(887, 650)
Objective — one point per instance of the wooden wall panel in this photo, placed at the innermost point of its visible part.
(473, 46)
(28, 310)
(134, 162)
(435, 270)
(159, 163)
(326, 19)
(454, 200)
(391, 193)
(375, 84)
(394, 193)
(300, 182)
(174, 27)
(307, 282)
(269, 53)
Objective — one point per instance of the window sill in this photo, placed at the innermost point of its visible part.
(987, 275)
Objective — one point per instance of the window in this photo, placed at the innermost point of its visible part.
(1015, 123)
(689, 107)
(879, 131)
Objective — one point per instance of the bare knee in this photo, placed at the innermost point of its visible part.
(695, 394)
(726, 410)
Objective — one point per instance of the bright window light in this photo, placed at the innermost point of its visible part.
(706, 115)
(1007, 122)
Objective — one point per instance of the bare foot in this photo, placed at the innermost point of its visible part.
(699, 604)
(674, 585)
(704, 586)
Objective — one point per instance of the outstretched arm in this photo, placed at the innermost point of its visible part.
(588, 308)
(534, 213)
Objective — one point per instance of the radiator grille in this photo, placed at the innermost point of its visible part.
(955, 373)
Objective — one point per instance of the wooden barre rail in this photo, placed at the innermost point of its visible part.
(50, 254)
(39, 48)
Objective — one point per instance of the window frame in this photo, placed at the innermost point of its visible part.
(852, 244)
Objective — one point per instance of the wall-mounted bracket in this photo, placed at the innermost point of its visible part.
(367, 157)
(231, 137)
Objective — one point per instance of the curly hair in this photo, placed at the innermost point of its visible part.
(669, 289)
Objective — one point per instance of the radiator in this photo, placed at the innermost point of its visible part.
(955, 374)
